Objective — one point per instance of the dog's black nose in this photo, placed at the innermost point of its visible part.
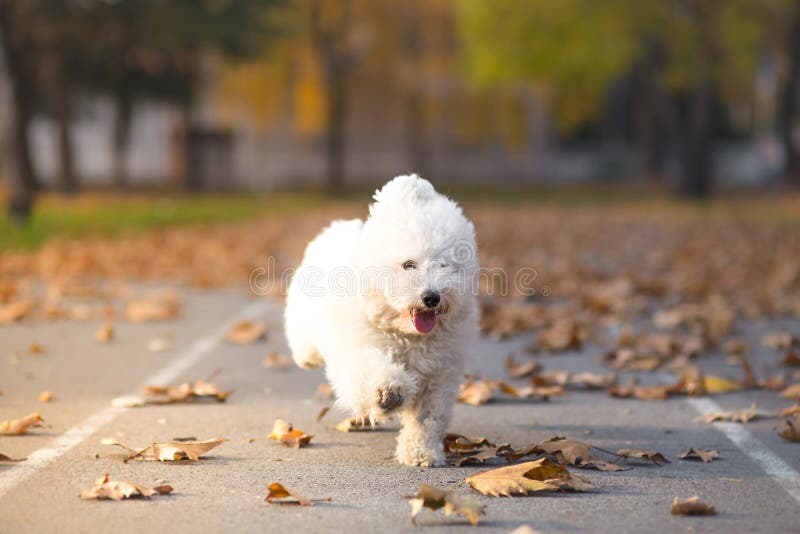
(431, 299)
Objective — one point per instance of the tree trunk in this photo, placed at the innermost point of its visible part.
(336, 133)
(696, 175)
(787, 107)
(66, 180)
(122, 130)
(22, 179)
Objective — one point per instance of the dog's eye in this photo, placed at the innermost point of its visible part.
(409, 264)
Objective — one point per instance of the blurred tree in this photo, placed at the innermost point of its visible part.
(15, 45)
(697, 50)
(787, 105)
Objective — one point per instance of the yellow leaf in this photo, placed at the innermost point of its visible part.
(119, 489)
(715, 384)
(21, 425)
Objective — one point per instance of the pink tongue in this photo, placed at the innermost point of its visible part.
(424, 322)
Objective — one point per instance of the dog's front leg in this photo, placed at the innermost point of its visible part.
(424, 424)
(369, 383)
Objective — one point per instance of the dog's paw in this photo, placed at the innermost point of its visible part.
(308, 361)
(390, 397)
(420, 457)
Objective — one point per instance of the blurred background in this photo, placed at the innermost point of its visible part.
(676, 97)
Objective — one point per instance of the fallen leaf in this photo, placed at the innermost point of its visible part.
(14, 311)
(789, 429)
(435, 499)
(36, 348)
(791, 410)
(170, 451)
(780, 340)
(352, 424)
(476, 392)
(185, 392)
(460, 444)
(519, 370)
(736, 416)
(158, 344)
(158, 307)
(694, 453)
(246, 332)
(691, 506)
(791, 392)
(284, 432)
(715, 384)
(643, 454)
(128, 402)
(569, 452)
(528, 477)
(479, 457)
(45, 396)
(592, 380)
(119, 489)
(791, 359)
(105, 333)
(21, 425)
(279, 491)
(658, 392)
(4, 458)
(275, 360)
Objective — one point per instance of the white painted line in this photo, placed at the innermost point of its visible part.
(781, 472)
(18, 472)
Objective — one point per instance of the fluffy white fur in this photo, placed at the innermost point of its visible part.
(350, 308)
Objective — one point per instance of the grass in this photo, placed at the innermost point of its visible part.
(113, 215)
(102, 214)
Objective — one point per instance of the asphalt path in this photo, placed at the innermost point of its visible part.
(754, 485)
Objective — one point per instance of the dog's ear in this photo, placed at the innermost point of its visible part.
(404, 189)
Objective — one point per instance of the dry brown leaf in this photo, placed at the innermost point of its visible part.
(789, 429)
(791, 392)
(528, 477)
(780, 340)
(643, 454)
(279, 491)
(36, 348)
(592, 380)
(185, 392)
(119, 489)
(246, 332)
(519, 370)
(21, 425)
(691, 506)
(435, 499)
(14, 311)
(105, 333)
(45, 396)
(570, 452)
(160, 307)
(476, 392)
(4, 458)
(794, 409)
(284, 432)
(706, 455)
(658, 392)
(735, 416)
(563, 334)
(460, 444)
(275, 360)
(479, 457)
(791, 359)
(170, 451)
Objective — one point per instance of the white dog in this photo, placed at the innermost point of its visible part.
(388, 306)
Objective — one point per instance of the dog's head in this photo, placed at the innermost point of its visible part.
(417, 257)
